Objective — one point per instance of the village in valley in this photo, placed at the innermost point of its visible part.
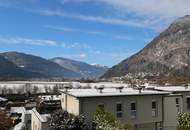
(94, 64)
(31, 105)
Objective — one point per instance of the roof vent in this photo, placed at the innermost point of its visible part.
(100, 89)
(119, 88)
(186, 86)
(140, 89)
(67, 86)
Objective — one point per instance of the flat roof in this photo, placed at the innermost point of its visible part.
(111, 92)
(173, 89)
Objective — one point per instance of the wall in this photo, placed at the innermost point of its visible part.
(144, 108)
(37, 123)
(70, 104)
(185, 95)
(170, 112)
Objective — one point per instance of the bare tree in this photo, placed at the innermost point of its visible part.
(35, 90)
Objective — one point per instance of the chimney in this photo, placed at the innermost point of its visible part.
(66, 87)
(140, 89)
(186, 86)
(120, 88)
(100, 89)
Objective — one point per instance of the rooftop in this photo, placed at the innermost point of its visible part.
(3, 99)
(174, 88)
(110, 92)
(50, 97)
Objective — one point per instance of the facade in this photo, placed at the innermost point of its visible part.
(183, 90)
(143, 109)
(39, 122)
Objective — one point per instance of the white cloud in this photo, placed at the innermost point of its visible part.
(75, 45)
(153, 14)
(163, 8)
(27, 41)
(65, 29)
(123, 37)
(82, 56)
(147, 23)
(68, 29)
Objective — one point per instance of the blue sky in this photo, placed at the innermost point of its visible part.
(95, 31)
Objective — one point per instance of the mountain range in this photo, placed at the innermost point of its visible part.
(167, 55)
(24, 66)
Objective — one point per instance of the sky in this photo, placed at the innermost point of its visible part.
(101, 32)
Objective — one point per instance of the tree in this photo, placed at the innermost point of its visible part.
(184, 121)
(56, 89)
(5, 121)
(62, 120)
(35, 89)
(106, 121)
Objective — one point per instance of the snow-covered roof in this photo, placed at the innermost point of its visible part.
(3, 99)
(110, 92)
(173, 89)
(50, 97)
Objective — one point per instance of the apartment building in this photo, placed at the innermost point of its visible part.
(143, 109)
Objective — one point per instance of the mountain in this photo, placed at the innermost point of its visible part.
(9, 71)
(167, 55)
(84, 69)
(35, 64)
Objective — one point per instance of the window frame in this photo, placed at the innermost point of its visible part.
(119, 113)
(133, 111)
(154, 108)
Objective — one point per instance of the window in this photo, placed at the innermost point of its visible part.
(154, 108)
(188, 102)
(133, 110)
(119, 110)
(177, 101)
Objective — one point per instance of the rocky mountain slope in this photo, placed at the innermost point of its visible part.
(167, 55)
(9, 71)
(84, 69)
(24, 66)
(39, 65)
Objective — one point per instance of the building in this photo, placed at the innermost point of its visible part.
(184, 91)
(23, 116)
(141, 108)
(3, 101)
(49, 103)
(39, 121)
